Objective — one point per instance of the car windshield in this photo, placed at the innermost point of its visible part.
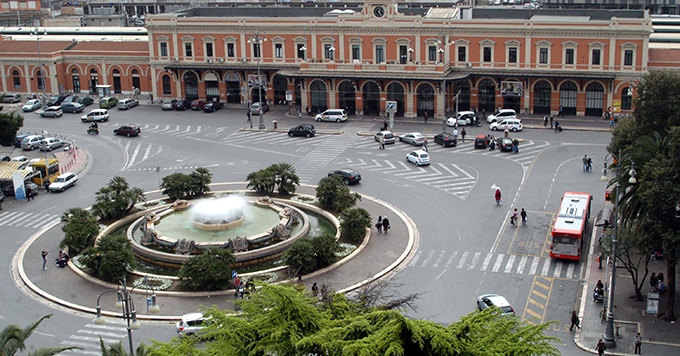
(388, 135)
(60, 180)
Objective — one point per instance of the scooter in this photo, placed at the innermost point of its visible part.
(92, 131)
(598, 295)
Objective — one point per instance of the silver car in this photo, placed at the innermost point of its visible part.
(255, 108)
(50, 143)
(192, 324)
(413, 138)
(387, 136)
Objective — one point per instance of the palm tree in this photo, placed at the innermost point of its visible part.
(287, 179)
(119, 350)
(13, 339)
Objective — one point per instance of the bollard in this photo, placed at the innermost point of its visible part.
(276, 124)
(617, 326)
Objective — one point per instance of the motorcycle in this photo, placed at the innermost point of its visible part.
(598, 295)
(93, 131)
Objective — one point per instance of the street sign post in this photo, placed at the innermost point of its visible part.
(391, 109)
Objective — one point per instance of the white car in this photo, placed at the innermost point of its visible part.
(63, 182)
(31, 105)
(507, 124)
(192, 324)
(501, 114)
(96, 115)
(464, 118)
(413, 138)
(419, 158)
(19, 159)
(494, 300)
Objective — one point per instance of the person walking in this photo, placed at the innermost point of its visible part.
(497, 195)
(382, 142)
(425, 145)
(574, 321)
(513, 218)
(561, 113)
(653, 282)
(386, 224)
(425, 117)
(585, 163)
(248, 115)
(378, 225)
(523, 214)
(44, 258)
(455, 135)
(315, 290)
(589, 164)
(545, 121)
(600, 347)
(551, 121)
(385, 125)
(638, 343)
(462, 134)
(557, 126)
(29, 193)
(515, 145)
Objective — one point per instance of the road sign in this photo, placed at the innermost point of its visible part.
(391, 107)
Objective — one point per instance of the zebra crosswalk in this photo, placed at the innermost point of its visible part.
(496, 263)
(87, 338)
(254, 138)
(28, 220)
(139, 151)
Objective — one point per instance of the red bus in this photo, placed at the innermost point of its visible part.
(570, 226)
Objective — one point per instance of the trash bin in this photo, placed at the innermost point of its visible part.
(276, 124)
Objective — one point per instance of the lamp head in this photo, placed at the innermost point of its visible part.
(134, 323)
(99, 319)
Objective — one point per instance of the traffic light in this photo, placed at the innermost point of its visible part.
(608, 195)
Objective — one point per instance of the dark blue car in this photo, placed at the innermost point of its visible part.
(18, 138)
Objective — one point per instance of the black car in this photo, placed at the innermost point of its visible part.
(349, 176)
(57, 100)
(84, 100)
(212, 106)
(72, 107)
(481, 142)
(505, 144)
(128, 130)
(302, 130)
(182, 105)
(445, 139)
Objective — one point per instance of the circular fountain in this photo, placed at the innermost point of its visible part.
(218, 214)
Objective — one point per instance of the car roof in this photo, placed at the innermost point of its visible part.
(192, 316)
(497, 300)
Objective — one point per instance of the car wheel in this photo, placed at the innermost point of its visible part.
(128, 135)
(514, 129)
(41, 115)
(309, 135)
(413, 143)
(318, 119)
(494, 129)
(337, 120)
(290, 134)
(62, 190)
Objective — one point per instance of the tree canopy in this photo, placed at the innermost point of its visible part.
(116, 199)
(10, 123)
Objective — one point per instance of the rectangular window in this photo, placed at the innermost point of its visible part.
(628, 57)
(356, 52)
(17, 82)
(188, 49)
(596, 57)
(301, 51)
(432, 53)
(256, 50)
(230, 50)
(278, 50)
(512, 55)
(462, 54)
(487, 54)
(379, 54)
(328, 50)
(569, 56)
(164, 49)
(209, 52)
(543, 56)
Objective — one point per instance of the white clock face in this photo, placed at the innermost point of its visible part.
(379, 11)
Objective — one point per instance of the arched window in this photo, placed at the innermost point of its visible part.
(75, 77)
(16, 79)
(167, 90)
(627, 98)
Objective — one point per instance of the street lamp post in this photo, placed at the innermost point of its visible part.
(37, 32)
(609, 338)
(258, 40)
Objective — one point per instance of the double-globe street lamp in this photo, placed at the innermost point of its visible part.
(609, 338)
(257, 41)
(127, 305)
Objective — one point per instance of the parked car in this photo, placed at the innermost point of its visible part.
(197, 104)
(96, 115)
(413, 138)
(127, 103)
(505, 144)
(463, 118)
(445, 139)
(128, 130)
(255, 107)
(85, 100)
(419, 158)
(5, 158)
(31, 142)
(501, 114)
(8, 189)
(192, 324)
(506, 124)
(387, 136)
(56, 100)
(72, 107)
(168, 104)
(50, 143)
(337, 115)
(107, 102)
(52, 111)
(11, 98)
(70, 99)
(212, 106)
(302, 130)
(63, 182)
(481, 142)
(495, 300)
(18, 138)
(349, 176)
(19, 159)
(31, 105)
(181, 105)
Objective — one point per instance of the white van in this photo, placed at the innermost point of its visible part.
(96, 115)
(501, 114)
(337, 115)
(126, 103)
(507, 124)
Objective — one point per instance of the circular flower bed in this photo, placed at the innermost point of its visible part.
(344, 249)
(153, 283)
(269, 277)
(150, 204)
(307, 199)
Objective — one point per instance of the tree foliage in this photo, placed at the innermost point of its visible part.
(209, 270)
(353, 224)
(80, 229)
(279, 176)
(110, 259)
(180, 185)
(10, 123)
(311, 253)
(13, 339)
(279, 320)
(334, 195)
(116, 199)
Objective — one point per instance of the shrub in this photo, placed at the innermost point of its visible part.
(209, 270)
(110, 259)
(353, 224)
(334, 195)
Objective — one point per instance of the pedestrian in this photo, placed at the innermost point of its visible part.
(638, 343)
(315, 290)
(299, 279)
(378, 225)
(29, 193)
(585, 162)
(386, 224)
(381, 142)
(561, 113)
(462, 134)
(513, 218)
(545, 121)
(551, 121)
(653, 282)
(600, 347)
(523, 214)
(151, 97)
(426, 116)
(498, 196)
(574, 321)
(44, 258)
(557, 126)
(589, 164)
(324, 291)
(455, 135)
(659, 282)
(492, 144)
(611, 123)
(425, 145)
(515, 145)
(599, 260)
(385, 125)
(248, 115)
(299, 113)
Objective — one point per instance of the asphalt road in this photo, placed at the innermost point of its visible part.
(467, 246)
